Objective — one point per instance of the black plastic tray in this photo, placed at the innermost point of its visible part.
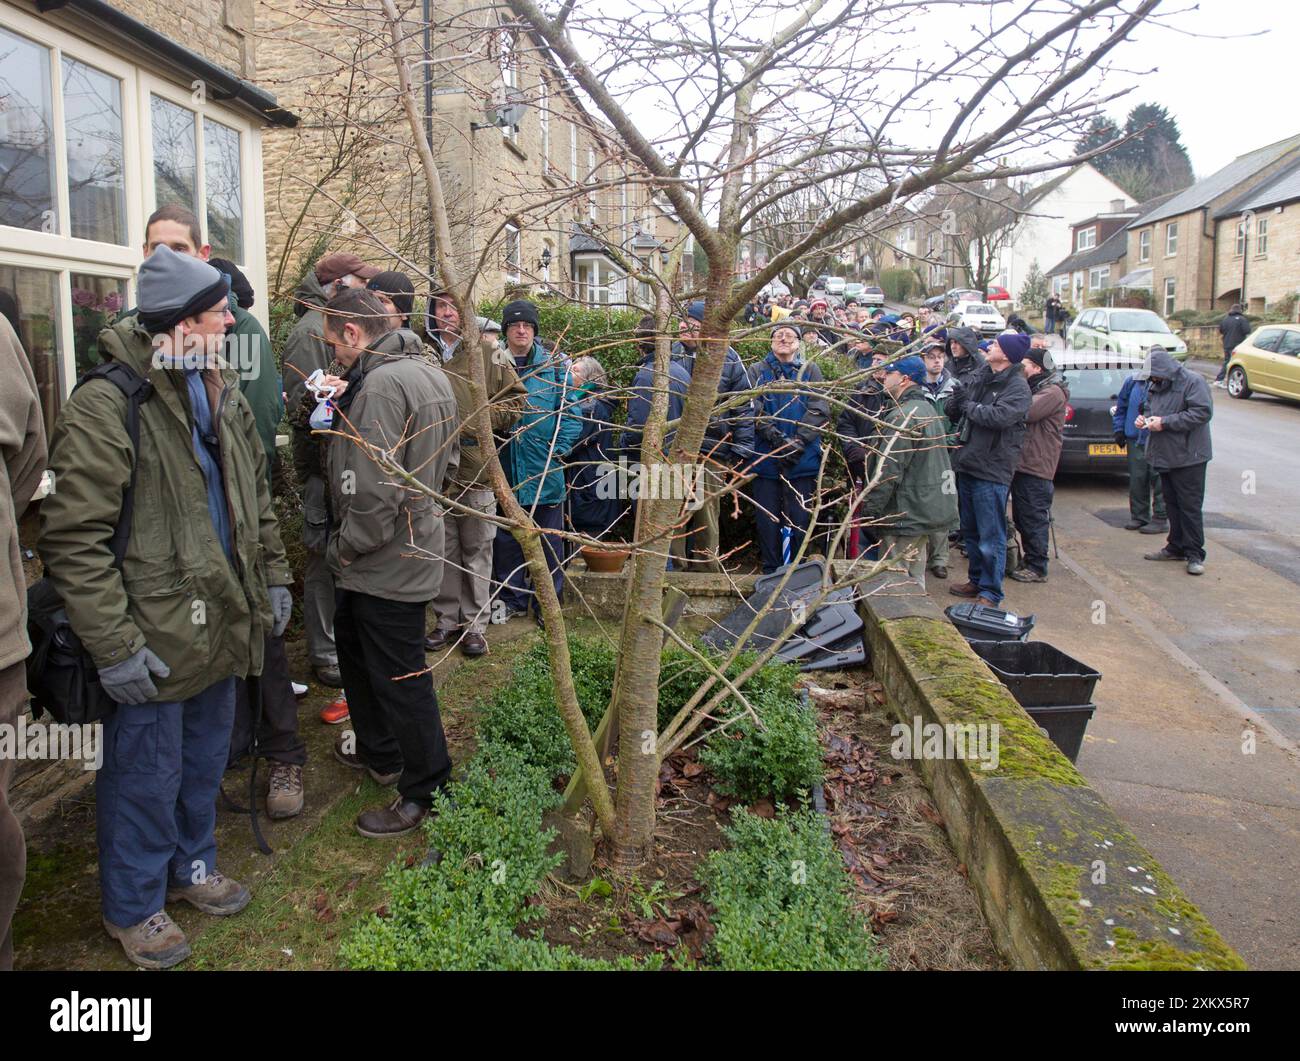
(1065, 724)
(979, 622)
(1038, 674)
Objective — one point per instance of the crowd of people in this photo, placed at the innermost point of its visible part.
(406, 552)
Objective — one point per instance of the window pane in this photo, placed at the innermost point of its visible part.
(224, 190)
(95, 302)
(92, 119)
(29, 299)
(175, 156)
(26, 124)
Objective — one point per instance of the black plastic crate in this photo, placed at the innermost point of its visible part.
(1038, 674)
(979, 622)
(1065, 725)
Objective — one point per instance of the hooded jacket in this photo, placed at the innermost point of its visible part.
(22, 462)
(990, 415)
(964, 369)
(792, 419)
(305, 351)
(1233, 329)
(1045, 426)
(909, 497)
(857, 425)
(387, 540)
(173, 561)
(730, 435)
(549, 427)
(1181, 398)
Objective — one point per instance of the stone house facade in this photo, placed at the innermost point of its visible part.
(1181, 243)
(1258, 240)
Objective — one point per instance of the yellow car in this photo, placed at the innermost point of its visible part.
(1268, 361)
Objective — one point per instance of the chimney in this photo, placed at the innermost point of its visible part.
(1117, 206)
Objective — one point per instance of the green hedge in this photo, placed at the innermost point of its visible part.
(782, 898)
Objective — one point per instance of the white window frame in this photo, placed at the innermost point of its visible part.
(1098, 277)
(64, 255)
(1170, 296)
(1144, 245)
(573, 152)
(625, 211)
(593, 205)
(1261, 237)
(514, 239)
(509, 66)
(1239, 245)
(1171, 239)
(1086, 238)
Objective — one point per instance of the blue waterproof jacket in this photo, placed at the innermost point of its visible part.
(797, 415)
(1127, 407)
(643, 394)
(548, 430)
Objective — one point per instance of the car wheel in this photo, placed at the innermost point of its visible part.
(1237, 385)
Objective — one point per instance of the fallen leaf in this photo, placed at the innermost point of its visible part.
(763, 809)
(692, 769)
(929, 813)
(657, 932)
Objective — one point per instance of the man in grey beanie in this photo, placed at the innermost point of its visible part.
(203, 580)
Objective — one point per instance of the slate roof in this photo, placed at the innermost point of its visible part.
(1111, 249)
(1205, 191)
(1281, 188)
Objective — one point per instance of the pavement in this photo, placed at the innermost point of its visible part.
(1194, 740)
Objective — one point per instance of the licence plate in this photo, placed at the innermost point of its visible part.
(1105, 449)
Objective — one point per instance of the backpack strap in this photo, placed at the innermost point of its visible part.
(137, 391)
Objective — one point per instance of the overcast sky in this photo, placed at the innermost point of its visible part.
(1229, 93)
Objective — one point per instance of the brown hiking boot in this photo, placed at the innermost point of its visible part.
(964, 589)
(155, 943)
(217, 894)
(473, 644)
(400, 816)
(438, 640)
(284, 794)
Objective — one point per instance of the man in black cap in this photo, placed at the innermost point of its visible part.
(534, 457)
(1233, 330)
(396, 294)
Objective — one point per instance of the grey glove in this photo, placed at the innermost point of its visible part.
(281, 608)
(129, 682)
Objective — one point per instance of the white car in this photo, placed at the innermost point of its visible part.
(1119, 329)
(981, 317)
(835, 285)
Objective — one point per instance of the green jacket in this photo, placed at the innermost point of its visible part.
(203, 615)
(22, 462)
(916, 492)
(387, 541)
(305, 351)
(259, 381)
(506, 396)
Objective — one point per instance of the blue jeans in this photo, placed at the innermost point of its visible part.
(156, 798)
(983, 507)
(511, 579)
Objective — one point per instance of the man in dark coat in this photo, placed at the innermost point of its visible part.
(990, 415)
(1177, 414)
(1233, 330)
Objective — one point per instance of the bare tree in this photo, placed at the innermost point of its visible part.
(742, 119)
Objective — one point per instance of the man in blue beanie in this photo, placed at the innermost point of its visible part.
(989, 413)
(913, 497)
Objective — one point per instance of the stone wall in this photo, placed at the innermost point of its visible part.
(219, 30)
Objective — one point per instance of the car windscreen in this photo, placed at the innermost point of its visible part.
(980, 307)
(1137, 320)
(1095, 382)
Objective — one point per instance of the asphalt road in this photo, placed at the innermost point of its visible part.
(1194, 741)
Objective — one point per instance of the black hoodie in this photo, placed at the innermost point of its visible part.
(965, 368)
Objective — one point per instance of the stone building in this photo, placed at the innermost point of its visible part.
(1258, 240)
(540, 194)
(105, 113)
(1177, 249)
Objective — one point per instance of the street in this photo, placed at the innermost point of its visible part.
(1194, 742)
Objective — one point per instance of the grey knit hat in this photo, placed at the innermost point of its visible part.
(173, 287)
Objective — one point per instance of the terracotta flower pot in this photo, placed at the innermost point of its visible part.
(607, 561)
